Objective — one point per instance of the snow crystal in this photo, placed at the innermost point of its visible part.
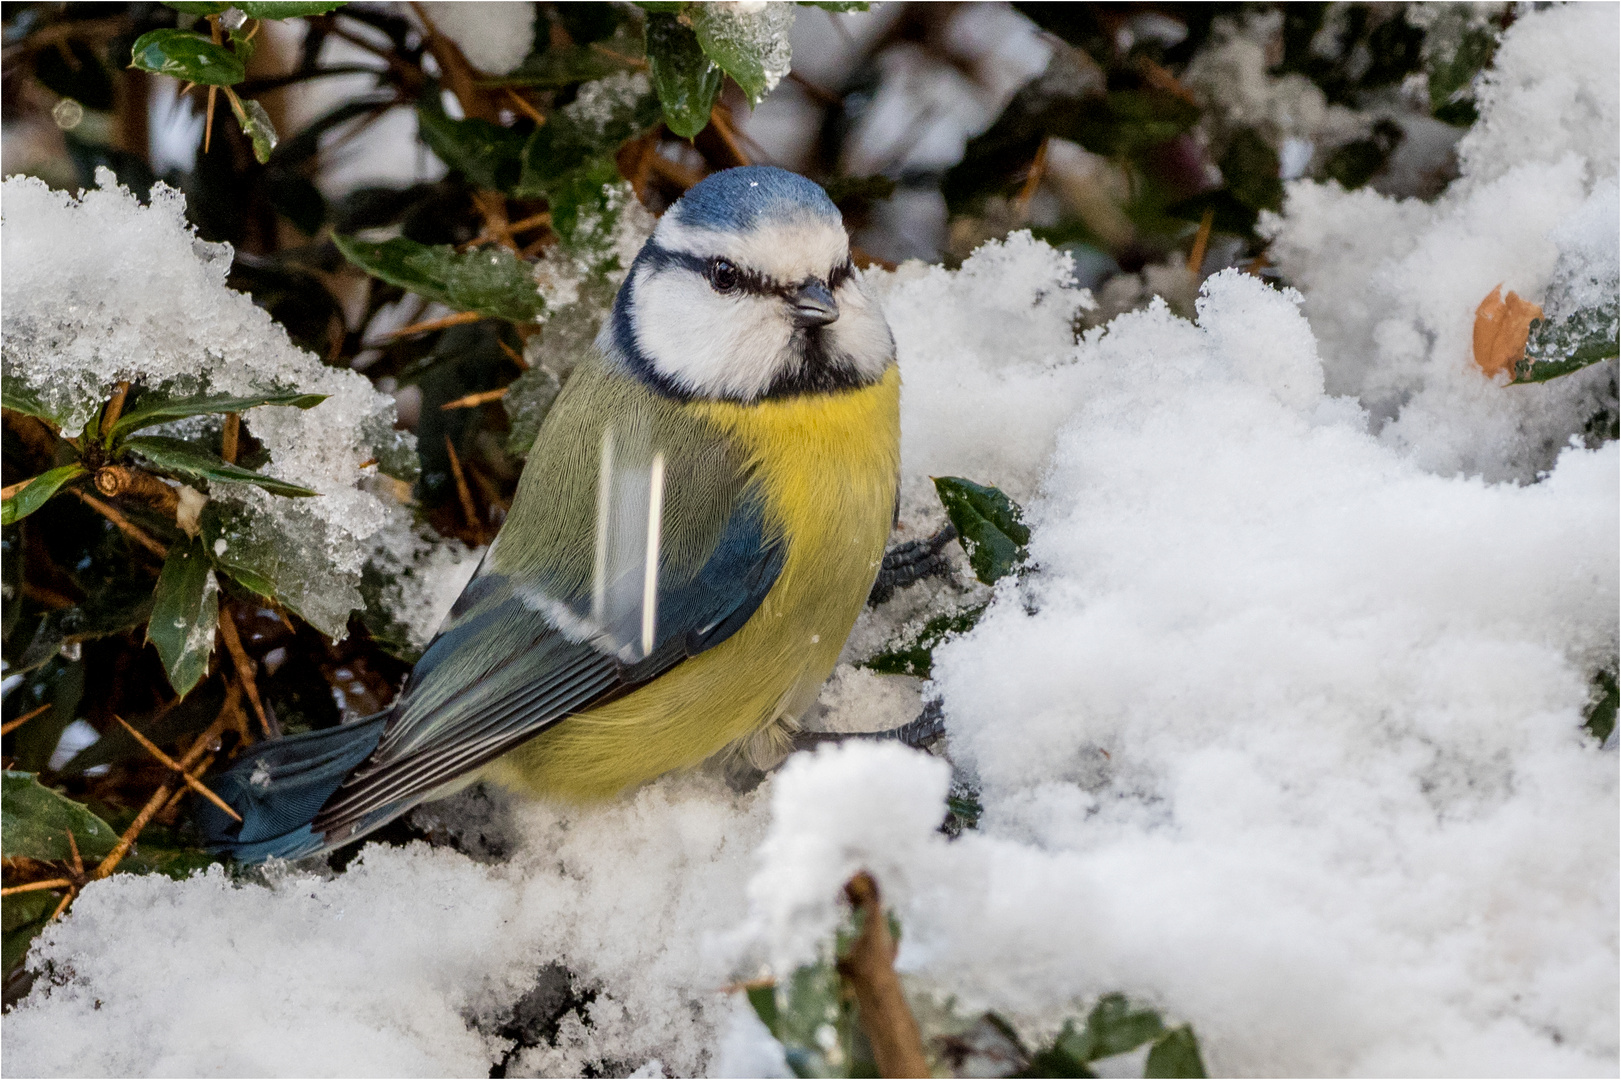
(1392, 286)
(100, 288)
(757, 30)
(494, 35)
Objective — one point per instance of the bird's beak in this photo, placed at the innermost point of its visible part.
(813, 305)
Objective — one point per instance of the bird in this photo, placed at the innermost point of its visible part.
(697, 526)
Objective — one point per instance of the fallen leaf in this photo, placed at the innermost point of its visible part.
(1501, 328)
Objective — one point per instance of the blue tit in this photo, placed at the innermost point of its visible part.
(696, 529)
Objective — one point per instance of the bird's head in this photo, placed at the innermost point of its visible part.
(746, 291)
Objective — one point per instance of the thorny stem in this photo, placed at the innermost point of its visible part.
(458, 319)
(123, 523)
(462, 491)
(244, 669)
(869, 971)
(480, 398)
(1201, 241)
(190, 781)
(23, 719)
(36, 886)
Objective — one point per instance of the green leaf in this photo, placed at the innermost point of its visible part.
(185, 615)
(1250, 168)
(686, 79)
(18, 396)
(739, 46)
(561, 66)
(24, 916)
(287, 9)
(835, 5)
(1176, 1054)
(35, 822)
(1452, 74)
(989, 526)
(763, 999)
(180, 459)
(915, 655)
(198, 7)
(1114, 1027)
(37, 493)
(1601, 713)
(1130, 121)
(577, 143)
(487, 154)
(491, 281)
(186, 56)
(667, 7)
(152, 408)
(1582, 338)
(256, 123)
(122, 602)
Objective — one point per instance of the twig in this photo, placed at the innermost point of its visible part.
(721, 119)
(869, 969)
(114, 409)
(1032, 180)
(24, 718)
(123, 523)
(679, 175)
(457, 72)
(229, 438)
(458, 319)
(115, 480)
(633, 61)
(1201, 241)
(73, 890)
(190, 781)
(245, 666)
(462, 490)
(480, 398)
(492, 205)
(37, 886)
(513, 354)
(525, 107)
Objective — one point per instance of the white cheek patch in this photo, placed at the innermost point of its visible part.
(860, 333)
(709, 343)
(787, 252)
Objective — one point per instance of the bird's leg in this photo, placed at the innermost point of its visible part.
(919, 734)
(911, 562)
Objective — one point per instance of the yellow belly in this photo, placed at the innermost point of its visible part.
(828, 465)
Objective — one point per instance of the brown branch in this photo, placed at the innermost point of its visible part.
(464, 493)
(513, 354)
(666, 169)
(114, 409)
(190, 781)
(230, 436)
(458, 319)
(115, 480)
(244, 670)
(869, 970)
(1201, 241)
(1032, 180)
(123, 523)
(37, 886)
(459, 75)
(63, 906)
(720, 118)
(23, 719)
(472, 400)
(525, 106)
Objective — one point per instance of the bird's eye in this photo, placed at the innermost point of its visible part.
(723, 276)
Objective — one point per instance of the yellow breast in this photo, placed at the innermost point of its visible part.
(828, 466)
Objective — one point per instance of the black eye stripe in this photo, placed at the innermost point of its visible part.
(748, 281)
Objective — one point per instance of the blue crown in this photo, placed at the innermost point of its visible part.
(736, 200)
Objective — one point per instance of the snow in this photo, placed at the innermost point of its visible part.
(494, 35)
(1280, 732)
(101, 288)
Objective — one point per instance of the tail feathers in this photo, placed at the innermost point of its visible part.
(278, 788)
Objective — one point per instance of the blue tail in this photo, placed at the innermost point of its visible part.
(278, 788)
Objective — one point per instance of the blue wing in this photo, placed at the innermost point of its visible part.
(512, 661)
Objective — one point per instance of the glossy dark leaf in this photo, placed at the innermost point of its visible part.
(18, 396)
(1559, 347)
(37, 493)
(716, 29)
(489, 155)
(491, 281)
(186, 56)
(1114, 1027)
(185, 615)
(24, 917)
(287, 9)
(989, 525)
(182, 460)
(686, 80)
(35, 822)
(1452, 74)
(1176, 1054)
(122, 603)
(149, 409)
(198, 7)
(915, 656)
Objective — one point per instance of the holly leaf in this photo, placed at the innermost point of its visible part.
(180, 459)
(685, 78)
(990, 526)
(35, 822)
(743, 45)
(492, 281)
(188, 56)
(150, 408)
(915, 656)
(185, 615)
(287, 9)
(24, 915)
(1554, 348)
(37, 492)
(487, 154)
(1175, 1054)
